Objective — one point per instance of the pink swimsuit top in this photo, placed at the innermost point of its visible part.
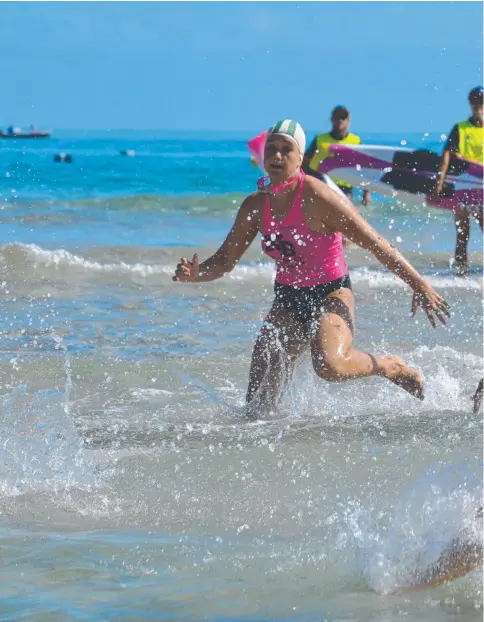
(303, 258)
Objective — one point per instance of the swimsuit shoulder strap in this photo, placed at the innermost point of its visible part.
(296, 209)
(266, 214)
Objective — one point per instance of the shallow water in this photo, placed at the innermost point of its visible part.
(132, 487)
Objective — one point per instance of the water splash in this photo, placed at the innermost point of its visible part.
(395, 549)
(40, 445)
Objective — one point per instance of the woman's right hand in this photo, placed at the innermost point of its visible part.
(187, 271)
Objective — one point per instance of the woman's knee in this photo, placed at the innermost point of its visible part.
(289, 341)
(330, 368)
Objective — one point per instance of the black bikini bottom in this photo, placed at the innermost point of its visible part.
(305, 303)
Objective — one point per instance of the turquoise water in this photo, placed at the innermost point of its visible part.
(203, 178)
(130, 486)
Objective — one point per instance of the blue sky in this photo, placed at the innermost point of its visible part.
(399, 66)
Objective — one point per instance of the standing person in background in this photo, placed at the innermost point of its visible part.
(318, 150)
(465, 140)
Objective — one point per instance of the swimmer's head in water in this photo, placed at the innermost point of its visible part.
(284, 149)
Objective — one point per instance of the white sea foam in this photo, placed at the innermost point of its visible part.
(265, 271)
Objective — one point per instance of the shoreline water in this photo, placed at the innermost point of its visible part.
(127, 472)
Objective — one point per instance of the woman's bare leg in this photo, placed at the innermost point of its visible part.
(335, 359)
(280, 342)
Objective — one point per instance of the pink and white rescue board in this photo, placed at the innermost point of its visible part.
(408, 175)
(256, 147)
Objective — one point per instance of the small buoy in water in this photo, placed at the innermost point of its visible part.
(128, 152)
(63, 157)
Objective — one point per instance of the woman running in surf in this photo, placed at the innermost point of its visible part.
(302, 222)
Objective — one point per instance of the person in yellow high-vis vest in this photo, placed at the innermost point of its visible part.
(465, 140)
(318, 150)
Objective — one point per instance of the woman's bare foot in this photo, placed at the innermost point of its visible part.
(400, 374)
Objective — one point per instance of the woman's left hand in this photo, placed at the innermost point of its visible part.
(431, 302)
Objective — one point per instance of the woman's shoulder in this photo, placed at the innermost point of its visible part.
(253, 202)
(311, 182)
(315, 189)
(320, 200)
(252, 207)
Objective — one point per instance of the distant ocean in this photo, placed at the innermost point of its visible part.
(130, 486)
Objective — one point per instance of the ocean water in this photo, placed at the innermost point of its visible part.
(131, 486)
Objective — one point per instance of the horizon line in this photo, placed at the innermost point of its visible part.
(213, 131)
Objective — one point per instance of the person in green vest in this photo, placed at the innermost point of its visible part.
(318, 150)
(465, 140)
